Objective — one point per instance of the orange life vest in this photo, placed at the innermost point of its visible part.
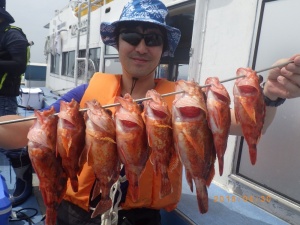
(104, 88)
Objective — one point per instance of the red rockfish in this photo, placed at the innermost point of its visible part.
(70, 139)
(47, 165)
(193, 139)
(249, 108)
(101, 153)
(131, 142)
(219, 116)
(158, 122)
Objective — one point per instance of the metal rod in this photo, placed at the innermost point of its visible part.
(163, 95)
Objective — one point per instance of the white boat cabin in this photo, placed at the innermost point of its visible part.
(218, 37)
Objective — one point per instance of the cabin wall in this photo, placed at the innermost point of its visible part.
(222, 42)
(66, 24)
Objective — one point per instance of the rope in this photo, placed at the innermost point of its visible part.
(111, 216)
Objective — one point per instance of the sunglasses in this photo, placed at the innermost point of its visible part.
(134, 38)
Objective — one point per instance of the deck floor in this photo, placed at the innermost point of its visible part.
(34, 205)
(227, 213)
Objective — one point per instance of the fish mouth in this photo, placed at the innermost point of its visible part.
(159, 113)
(129, 124)
(247, 89)
(190, 111)
(221, 97)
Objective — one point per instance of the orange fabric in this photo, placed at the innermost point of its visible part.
(104, 88)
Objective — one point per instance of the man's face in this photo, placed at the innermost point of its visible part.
(136, 57)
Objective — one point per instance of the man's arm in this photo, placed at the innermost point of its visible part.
(14, 135)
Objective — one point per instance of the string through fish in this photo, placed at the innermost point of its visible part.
(145, 99)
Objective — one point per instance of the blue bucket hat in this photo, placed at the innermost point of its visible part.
(150, 11)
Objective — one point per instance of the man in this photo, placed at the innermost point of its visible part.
(141, 37)
(13, 60)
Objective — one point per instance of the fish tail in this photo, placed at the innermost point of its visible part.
(202, 195)
(102, 207)
(51, 214)
(74, 184)
(253, 153)
(166, 186)
(221, 164)
(96, 189)
(135, 192)
(133, 180)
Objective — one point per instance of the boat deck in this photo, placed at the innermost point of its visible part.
(220, 212)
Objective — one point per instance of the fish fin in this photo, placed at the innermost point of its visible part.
(202, 195)
(82, 159)
(217, 118)
(153, 161)
(250, 111)
(74, 184)
(67, 142)
(211, 174)
(102, 206)
(166, 186)
(96, 189)
(133, 185)
(174, 160)
(189, 180)
(89, 155)
(122, 155)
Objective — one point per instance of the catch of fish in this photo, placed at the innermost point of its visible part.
(194, 132)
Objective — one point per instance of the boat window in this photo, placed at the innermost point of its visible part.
(64, 63)
(174, 72)
(54, 68)
(93, 64)
(182, 73)
(109, 50)
(68, 63)
(112, 65)
(95, 57)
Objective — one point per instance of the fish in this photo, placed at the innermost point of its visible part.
(46, 163)
(101, 153)
(250, 109)
(193, 139)
(158, 121)
(131, 141)
(219, 116)
(70, 139)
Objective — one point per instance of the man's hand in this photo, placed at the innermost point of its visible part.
(284, 82)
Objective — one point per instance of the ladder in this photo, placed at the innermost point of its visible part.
(83, 6)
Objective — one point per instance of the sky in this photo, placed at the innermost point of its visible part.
(32, 16)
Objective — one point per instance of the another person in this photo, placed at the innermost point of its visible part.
(141, 38)
(13, 60)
